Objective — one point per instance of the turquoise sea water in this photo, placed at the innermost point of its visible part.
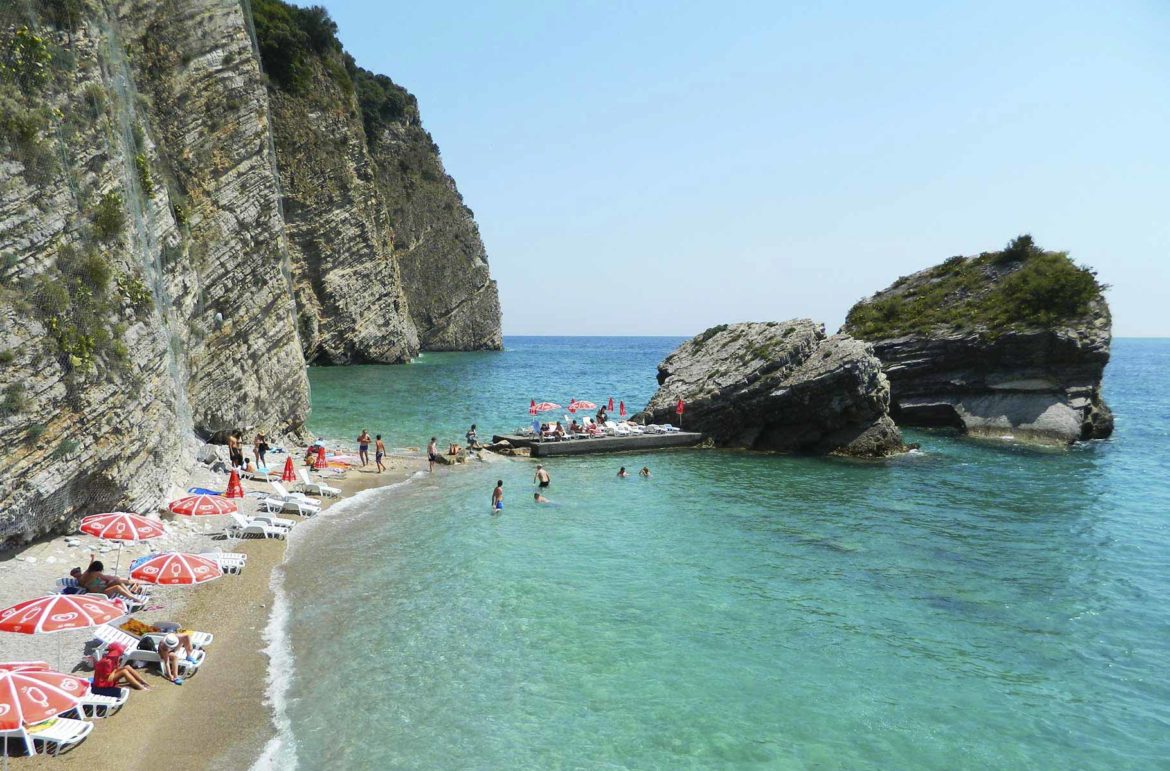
(972, 606)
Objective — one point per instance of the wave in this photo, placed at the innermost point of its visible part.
(281, 750)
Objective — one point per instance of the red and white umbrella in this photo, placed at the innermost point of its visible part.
(175, 568)
(320, 462)
(532, 407)
(610, 408)
(289, 474)
(58, 613)
(202, 505)
(586, 406)
(547, 407)
(12, 666)
(622, 409)
(122, 526)
(32, 695)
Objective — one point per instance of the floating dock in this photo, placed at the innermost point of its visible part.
(549, 448)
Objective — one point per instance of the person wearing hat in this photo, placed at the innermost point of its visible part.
(109, 674)
(168, 652)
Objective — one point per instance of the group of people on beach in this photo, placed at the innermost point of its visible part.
(363, 442)
(541, 479)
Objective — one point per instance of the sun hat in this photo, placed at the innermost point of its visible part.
(171, 640)
(115, 649)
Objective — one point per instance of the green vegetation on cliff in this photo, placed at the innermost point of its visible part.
(1020, 287)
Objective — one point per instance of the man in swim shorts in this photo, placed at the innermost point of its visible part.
(541, 477)
(363, 441)
(498, 496)
(379, 453)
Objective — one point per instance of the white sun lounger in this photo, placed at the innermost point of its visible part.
(229, 561)
(134, 653)
(317, 488)
(93, 705)
(283, 500)
(242, 527)
(54, 734)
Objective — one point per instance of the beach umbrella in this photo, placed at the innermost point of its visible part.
(610, 408)
(678, 410)
(12, 666)
(622, 409)
(586, 406)
(175, 568)
(532, 407)
(547, 407)
(289, 474)
(573, 406)
(320, 462)
(202, 505)
(121, 526)
(234, 489)
(58, 613)
(32, 695)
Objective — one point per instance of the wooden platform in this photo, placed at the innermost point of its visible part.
(548, 449)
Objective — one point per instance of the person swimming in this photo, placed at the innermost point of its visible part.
(538, 498)
(645, 472)
(622, 473)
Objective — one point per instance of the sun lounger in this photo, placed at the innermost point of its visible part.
(242, 527)
(96, 706)
(229, 562)
(136, 651)
(298, 502)
(53, 734)
(317, 488)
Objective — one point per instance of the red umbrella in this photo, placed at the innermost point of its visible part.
(610, 408)
(12, 666)
(31, 695)
(171, 568)
(573, 406)
(547, 407)
(586, 406)
(234, 489)
(202, 505)
(532, 407)
(57, 613)
(122, 526)
(320, 462)
(622, 409)
(289, 474)
(678, 410)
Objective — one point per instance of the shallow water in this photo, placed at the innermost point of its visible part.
(974, 605)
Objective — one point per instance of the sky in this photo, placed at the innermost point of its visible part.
(655, 168)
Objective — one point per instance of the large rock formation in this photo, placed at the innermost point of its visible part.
(146, 287)
(779, 386)
(1006, 343)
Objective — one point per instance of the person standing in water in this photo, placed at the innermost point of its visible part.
(541, 477)
(433, 453)
(645, 472)
(363, 441)
(498, 496)
(472, 438)
(379, 453)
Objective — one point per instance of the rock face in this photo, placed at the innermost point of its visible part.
(153, 288)
(779, 386)
(1009, 343)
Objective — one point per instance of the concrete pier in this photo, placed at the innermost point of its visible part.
(635, 443)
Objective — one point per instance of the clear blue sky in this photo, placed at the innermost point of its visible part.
(659, 167)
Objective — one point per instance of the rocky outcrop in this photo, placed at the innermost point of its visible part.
(1005, 344)
(153, 289)
(779, 386)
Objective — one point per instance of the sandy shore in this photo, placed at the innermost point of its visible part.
(217, 719)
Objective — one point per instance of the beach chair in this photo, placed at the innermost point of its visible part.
(301, 500)
(137, 652)
(616, 429)
(93, 705)
(54, 734)
(317, 488)
(242, 527)
(228, 561)
(129, 605)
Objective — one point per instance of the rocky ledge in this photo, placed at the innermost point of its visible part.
(1003, 344)
(780, 386)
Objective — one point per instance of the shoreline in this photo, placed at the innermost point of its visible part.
(222, 717)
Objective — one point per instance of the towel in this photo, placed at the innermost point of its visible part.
(203, 491)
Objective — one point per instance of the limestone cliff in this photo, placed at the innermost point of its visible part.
(1005, 343)
(154, 286)
(779, 386)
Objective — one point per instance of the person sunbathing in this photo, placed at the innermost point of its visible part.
(94, 580)
(171, 652)
(109, 675)
(559, 431)
(575, 427)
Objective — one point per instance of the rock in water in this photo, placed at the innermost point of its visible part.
(1009, 343)
(779, 386)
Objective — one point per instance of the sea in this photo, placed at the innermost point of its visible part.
(974, 604)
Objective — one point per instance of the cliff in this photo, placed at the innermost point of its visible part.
(1004, 343)
(160, 280)
(779, 386)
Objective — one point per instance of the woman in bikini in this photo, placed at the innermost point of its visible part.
(95, 581)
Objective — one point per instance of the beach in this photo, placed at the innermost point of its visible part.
(218, 718)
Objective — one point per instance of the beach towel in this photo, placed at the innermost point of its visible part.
(203, 491)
